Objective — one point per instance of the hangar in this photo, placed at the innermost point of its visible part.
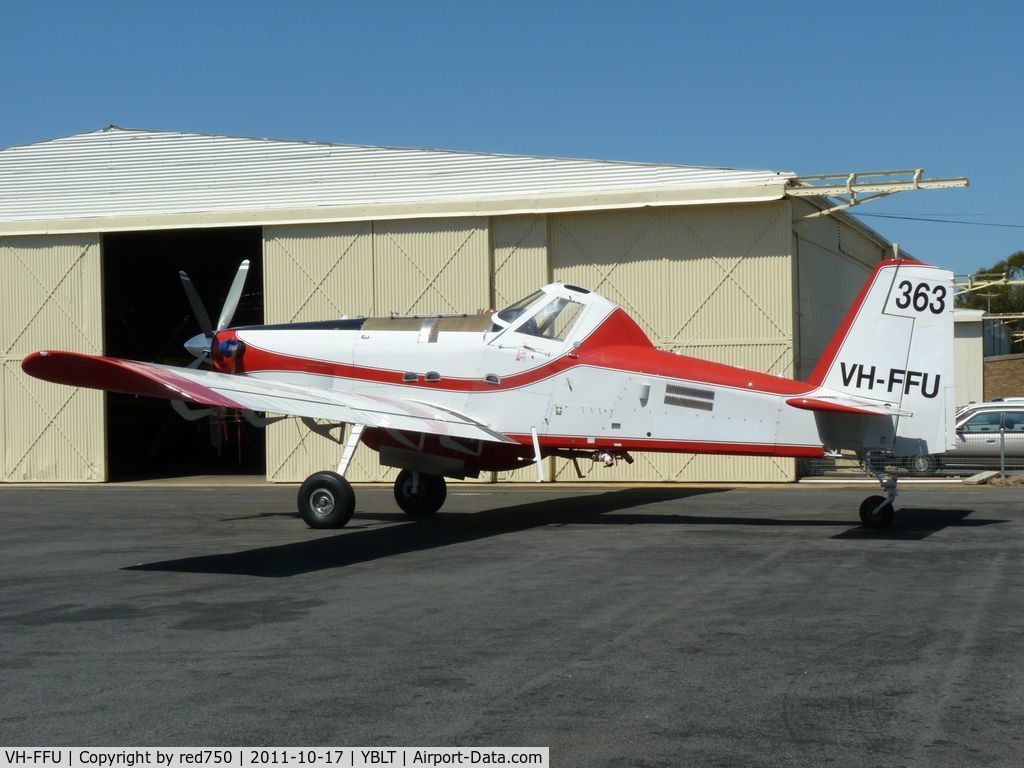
(736, 266)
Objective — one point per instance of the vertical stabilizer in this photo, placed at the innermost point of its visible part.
(894, 352)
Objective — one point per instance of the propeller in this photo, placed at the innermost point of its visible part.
(200, 346)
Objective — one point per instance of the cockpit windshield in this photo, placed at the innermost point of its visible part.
(554, 320)
(512, 312)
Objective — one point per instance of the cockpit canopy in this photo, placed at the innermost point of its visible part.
(549, 313)
(512, 312)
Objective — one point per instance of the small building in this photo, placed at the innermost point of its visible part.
(718, 263)
(968, 355)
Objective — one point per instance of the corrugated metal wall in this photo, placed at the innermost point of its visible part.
(833, 260)
(52, 299)
(520, 246)
(432, 265)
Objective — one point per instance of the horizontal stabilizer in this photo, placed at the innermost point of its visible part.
(835, 404)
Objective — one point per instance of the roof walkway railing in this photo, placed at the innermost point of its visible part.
(861, 187)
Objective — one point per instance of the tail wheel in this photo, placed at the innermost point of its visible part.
(326, 500)
(418, 493)
(876, 512)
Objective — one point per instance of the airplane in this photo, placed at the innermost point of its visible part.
(562, 372)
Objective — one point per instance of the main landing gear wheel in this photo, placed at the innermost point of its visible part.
(418, 493)
(326, 500)
(876, 512)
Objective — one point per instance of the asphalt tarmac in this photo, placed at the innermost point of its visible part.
(632, 627)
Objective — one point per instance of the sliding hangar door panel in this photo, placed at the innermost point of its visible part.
(51, 299)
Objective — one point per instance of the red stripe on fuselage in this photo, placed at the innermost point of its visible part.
(617, 344)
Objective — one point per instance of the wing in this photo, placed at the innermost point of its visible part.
(249, 393)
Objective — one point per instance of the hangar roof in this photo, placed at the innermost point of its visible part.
(118, 179)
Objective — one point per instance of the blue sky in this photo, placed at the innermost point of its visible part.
(811, 88)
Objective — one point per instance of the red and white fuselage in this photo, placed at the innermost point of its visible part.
(599, 386)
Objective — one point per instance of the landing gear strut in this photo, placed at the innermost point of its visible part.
(877, 511)
(326, 500)
(418, 493)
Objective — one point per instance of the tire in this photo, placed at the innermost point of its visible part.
(429, 497)
(922, 466)
(326, 500)
(872, 519)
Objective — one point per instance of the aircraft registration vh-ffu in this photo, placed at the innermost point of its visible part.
(562, 372)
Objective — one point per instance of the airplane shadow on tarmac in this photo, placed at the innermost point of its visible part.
(914, 524)
(441, 530)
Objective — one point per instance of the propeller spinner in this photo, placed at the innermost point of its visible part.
(200, 346)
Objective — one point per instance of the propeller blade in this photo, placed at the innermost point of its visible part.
(234, 295)
(196, 303)
(199, 346)
(196, 363)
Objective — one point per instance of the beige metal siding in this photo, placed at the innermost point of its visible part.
(520, 245)
(317, 272)
(320, 271)
(51, 299)
(833, 262)
(711, 282)
(431, 265)
(857, 247)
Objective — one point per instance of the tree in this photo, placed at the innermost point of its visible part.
(998, 298)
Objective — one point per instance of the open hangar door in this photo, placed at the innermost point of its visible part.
(147, 317)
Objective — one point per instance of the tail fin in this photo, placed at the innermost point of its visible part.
(894, 353)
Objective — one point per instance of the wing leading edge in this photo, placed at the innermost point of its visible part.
(227, 391)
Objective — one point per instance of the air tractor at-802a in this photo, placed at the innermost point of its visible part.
(563, 372)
